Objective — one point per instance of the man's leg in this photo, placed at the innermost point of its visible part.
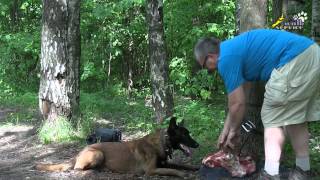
(299, 136)
(273, 142)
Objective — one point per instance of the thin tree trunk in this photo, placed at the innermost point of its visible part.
(60, 59)
(109, 69)
(161, 94)
(253, 15)
(129, 65)
(237, 15)
(14, 14)
(315, 30)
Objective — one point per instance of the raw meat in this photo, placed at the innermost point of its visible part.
(237, 166)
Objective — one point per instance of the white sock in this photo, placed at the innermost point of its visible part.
(303, 163)
(271, 167)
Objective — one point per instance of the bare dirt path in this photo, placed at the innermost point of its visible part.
(20, 149)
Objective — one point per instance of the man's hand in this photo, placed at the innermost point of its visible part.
(229, 137)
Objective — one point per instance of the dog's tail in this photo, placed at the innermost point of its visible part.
(56, 167)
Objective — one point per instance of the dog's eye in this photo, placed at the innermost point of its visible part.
(185, 132)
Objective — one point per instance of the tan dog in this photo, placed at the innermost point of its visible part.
(146, 155)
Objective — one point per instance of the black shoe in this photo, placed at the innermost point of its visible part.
(263, 175)
(298, 174)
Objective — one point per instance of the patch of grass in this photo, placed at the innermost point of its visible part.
(23, 107)
(27, 100)
(117, 109)
(60, 130)
(21, 117)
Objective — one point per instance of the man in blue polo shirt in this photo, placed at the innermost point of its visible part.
(290, 64)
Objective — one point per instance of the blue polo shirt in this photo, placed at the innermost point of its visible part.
(252, 56)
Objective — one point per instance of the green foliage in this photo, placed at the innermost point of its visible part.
(5, 90)
(202, 85)
(185, 22)
(180, 73)
(19, 61)
(19, 46)
(112, 31)
(205, 85)
(109, 29)
(314, 144)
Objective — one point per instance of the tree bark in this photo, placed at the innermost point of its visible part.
(14, 14)
(285, 8)
(253, 14)
(60, 59)
(276, 10)
(294, 7)
(237, 17)
(315, 30)
(162, 99)
(129, 57)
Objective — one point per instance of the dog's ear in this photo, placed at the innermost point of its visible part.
(181, 124)
(173, 123)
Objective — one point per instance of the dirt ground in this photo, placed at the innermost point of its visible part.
(20, 150)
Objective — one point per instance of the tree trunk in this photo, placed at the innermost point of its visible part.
(237, 17)
(294, 7)
(315, 30)
(253, 15)
(129, 58)
(14, 14)
(161, 94)
(60, 59)
(285, 8)
(276, 10)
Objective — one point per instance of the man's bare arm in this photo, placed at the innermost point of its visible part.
(230, 134)
(236, 105)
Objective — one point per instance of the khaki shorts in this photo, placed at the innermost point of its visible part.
(292, 93)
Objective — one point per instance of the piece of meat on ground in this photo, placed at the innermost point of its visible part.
(237, 166)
